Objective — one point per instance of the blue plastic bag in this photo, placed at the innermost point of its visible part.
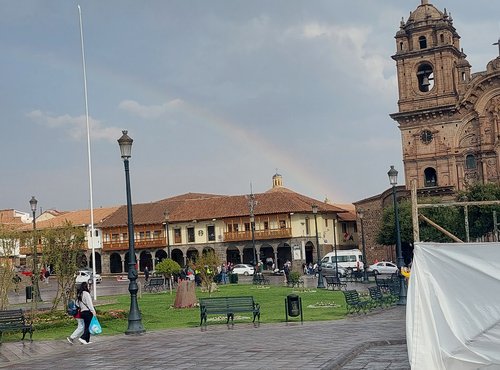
(95, 327)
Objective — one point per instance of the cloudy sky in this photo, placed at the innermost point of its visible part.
(216, 95)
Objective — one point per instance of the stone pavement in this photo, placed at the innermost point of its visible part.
(372, 341)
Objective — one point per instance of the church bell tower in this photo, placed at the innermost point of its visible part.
(446, 130)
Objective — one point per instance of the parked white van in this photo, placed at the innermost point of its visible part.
(347, 259)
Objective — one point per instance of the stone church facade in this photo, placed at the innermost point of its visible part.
(449, 117)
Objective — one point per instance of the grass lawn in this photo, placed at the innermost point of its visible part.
(157, 312)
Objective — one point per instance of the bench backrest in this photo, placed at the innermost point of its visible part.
(11, 317)
(351, 296)
(375, 293)
(224, 303)
(332, 279)
(156, 281)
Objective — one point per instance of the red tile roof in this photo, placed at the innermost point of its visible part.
(194, 206)
(76, 218)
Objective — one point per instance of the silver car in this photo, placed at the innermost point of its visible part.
(383, 268)
(328, 269)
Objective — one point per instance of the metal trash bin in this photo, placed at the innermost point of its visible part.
(293, 306)
(233, 278)
(29, 292)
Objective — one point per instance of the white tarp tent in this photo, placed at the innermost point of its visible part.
(453, 307)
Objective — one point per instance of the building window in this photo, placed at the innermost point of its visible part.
(211, 233)
(442, 38)
(106, 238)
(326, 222)
(282, 224)
(470, 162)
(308, 227)
(266, 225)
(115, 237)
(190, 232)
(230, 228)
(430, 177)
(247, 226)
(124, 237)
(148, 234)
(177, 236)
(422, 41)
(157, 234)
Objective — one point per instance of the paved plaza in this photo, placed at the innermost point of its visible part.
(372, 341)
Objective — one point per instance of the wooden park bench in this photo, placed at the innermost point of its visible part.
(334, 282)
(380, 299)
(154, 284)
(259, 279)
(14, 321)
(354, 302)
(228, 306)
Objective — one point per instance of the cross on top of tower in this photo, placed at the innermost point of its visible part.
(498, 43)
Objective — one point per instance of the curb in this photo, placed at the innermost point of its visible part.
(344, 359)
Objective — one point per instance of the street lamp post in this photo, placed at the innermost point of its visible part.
(321, 284)
(335, 246)
(252, 203)
(134, 316)
(166, 217)
(393, 180)
(35, 276)
(361, 215)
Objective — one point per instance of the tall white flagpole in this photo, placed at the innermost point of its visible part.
(92, 232)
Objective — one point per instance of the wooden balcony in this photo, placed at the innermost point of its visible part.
(139, 244)
(28, 250)
(259, 235)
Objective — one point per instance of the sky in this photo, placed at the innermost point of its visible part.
(217, 95)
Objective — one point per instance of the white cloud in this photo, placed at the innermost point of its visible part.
(351, 52)
(150, 111)
(75, 127)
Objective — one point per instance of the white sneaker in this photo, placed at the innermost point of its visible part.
(82, 341)
(70, 340)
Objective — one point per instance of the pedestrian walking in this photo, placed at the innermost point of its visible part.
(79, 329)
(87, 311)
(146, 273)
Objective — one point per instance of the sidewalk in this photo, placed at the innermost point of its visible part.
(372, 341)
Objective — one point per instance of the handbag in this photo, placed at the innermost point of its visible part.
(95, 327)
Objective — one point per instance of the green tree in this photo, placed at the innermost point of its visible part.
(447, 217)
(206, 266)
(9, 241)
(168, 267)
(387, 232)
(481, 217)
(61, 248)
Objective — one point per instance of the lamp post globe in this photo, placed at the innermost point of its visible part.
(134, 316)
(321, 284)
(393, 180)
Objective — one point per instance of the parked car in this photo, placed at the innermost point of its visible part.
(383, 268)
(86, 276)
(328, 269)
(243, 269)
